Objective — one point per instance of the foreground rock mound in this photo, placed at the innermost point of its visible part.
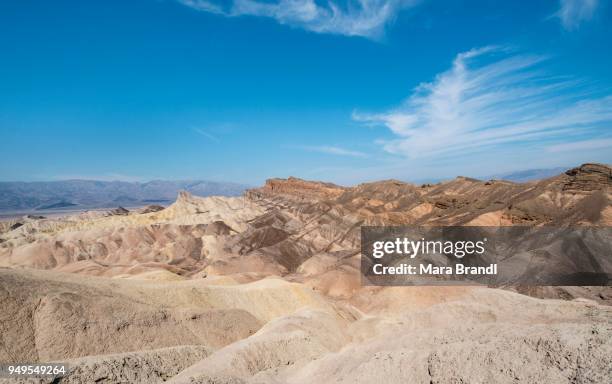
(155, 366)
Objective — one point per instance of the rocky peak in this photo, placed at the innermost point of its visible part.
(297, 188)
(588, 177)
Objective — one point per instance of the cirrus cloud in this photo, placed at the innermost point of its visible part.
(365, 18)
(572, 13)
(493, 97)
(334, 150)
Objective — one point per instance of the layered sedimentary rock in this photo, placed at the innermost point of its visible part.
(588, 177)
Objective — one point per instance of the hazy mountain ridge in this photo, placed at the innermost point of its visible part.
(26, 196)
(528, 174)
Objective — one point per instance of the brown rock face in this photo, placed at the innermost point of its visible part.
(588, 177)
(456, 202)
(297, 188)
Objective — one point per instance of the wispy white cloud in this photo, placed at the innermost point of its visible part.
(583, 145)
(492, 97)
(572, 13)
(207, 135)
(204, 5)
(366, 18)
(333, 150)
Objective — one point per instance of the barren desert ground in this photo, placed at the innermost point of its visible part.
(266, 288)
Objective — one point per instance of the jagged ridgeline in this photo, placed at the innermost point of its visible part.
(292, 226)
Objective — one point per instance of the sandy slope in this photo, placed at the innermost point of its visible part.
(50, 316)
(271, 331)
(478, 338)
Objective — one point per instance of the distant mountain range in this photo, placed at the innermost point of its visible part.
(85, 194)
(520, 176)
(529, 174)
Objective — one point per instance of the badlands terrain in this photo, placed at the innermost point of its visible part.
(266, 288)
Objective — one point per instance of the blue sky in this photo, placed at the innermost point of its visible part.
(343, 91)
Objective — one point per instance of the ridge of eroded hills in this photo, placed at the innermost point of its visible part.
(266, 288)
